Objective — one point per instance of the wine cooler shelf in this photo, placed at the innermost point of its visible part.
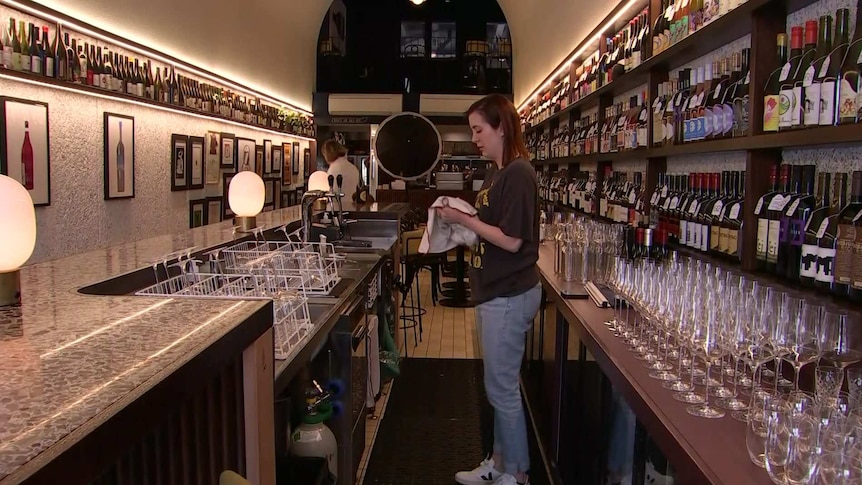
(80, 61)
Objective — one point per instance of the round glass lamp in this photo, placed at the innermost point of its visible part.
(245, 196)
(319, 180)
(18, 229)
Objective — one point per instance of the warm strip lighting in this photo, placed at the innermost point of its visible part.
(105, 328)
(147, 105)
(184, 65)
(584, 46)
(118, 377)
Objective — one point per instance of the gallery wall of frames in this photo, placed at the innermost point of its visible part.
(103, 171)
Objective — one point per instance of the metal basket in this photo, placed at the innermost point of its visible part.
(315, 263)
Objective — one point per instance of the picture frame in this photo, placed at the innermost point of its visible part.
(290, 165)
(296, 156)
(25, 148)
(245, 153)
(195, 158)
(226, 212)
(267, 156)
(179, 163)
(197, 213)
(269, 186)
(277, 159)
(285, 199)
(214, 209)
(212, 156)
(307, 162)
(119, 156)
(227, 150)
(258, 160)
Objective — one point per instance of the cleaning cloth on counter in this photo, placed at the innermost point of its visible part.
(442, 236)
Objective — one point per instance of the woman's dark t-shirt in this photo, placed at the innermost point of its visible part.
(511, 202)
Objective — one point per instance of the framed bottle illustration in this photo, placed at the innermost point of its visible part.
(245, 148)
(119, 160)
(289, 164)
(195, 157)
(25, 147)
(258, 160)
(197, 213)
(228, 150)
(179, 147)
(277, 158)
(267, 157)
(212, 156)
(214, 210)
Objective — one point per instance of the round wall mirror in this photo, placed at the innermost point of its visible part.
(408, 146)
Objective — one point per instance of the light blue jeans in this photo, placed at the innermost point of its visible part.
(502, 325)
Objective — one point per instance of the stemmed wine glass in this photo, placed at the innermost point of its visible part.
(803, 335)
(706, 344)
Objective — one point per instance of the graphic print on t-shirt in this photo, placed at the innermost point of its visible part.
(478, 249)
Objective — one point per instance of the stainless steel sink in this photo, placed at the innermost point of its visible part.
(363, 228)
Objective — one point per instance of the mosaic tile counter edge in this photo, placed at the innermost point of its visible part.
(70, 361)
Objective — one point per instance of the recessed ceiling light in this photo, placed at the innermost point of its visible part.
(417, 2)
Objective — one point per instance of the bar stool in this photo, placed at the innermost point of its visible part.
(411, 264)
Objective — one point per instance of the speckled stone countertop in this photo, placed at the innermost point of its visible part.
(69, 361)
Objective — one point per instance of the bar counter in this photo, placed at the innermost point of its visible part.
(701, 450)
(70, 362)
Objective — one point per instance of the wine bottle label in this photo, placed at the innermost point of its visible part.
(808, 261)
(811, 106)
(796, 232)
(771, 112)
(728, 119)
(49, 67)
(36, 64)
(683, 232)
(716, 209)
(704, 237)
(693, 234)
(717, 119)
(785, 71)
(772, 241)
(786, 104)
(847, 99)
(792, 208)
(723, 237)
(762, 236)
(715, 238)
(708, 118)
(778, 202)
(825, 265)
(733, 242)
(734, 211)
(8, 60)
(823, 226)
(824, 67)
(783, 230)
(845, 253)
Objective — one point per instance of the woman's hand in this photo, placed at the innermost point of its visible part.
(452, 215)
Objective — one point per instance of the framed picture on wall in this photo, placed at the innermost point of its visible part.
(269, 186)
(228, 150)
(277, 158)
(214, 209)
(25, 148)
(195, 156)
(310, 166)
(197, 213)
(289, 166)
(179, 163)
(244, 154)
(267, 156)
(296, 155)
(119, 160)
(226, 213)
(212, 156)
(258, 160)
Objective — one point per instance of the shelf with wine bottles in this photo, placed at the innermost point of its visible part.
(721, 31)
(88, 59)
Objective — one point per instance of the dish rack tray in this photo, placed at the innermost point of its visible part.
(291, 320)
(315, 263)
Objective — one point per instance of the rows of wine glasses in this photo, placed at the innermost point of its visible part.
(680, 312)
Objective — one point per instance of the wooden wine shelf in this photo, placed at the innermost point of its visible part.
(824, 137)
(83, 88)
(722, 31)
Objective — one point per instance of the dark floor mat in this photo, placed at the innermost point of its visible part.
(431, 427)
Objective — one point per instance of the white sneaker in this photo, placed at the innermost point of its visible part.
(483, 474)
(506, 479)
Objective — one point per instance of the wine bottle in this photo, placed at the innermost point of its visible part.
(772, 92)
(61, 62)
(808, 256)
(849, 88)
(815, 73)
(788, 103)
(806, 65)
(827, 236)
(48, 54)
(121, 162)
(27, 159)
(762, 219)
(8, 51)
(741, 96)
(25, 46)
(34, 51)
(798, 214)
(831, 70)
(845, 253)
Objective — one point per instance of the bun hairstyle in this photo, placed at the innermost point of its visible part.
(333, 150)
(500, 113)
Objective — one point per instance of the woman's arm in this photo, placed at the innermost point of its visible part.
(492, 234)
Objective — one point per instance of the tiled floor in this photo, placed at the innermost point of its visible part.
(447, 333)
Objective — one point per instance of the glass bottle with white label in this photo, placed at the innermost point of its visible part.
(760, 211)
(831, 70)
(772, 92)
(774, 213)
(846, 255)
(806, 68)
(808, 256)
(826, 236)
(788, 102)
(729, 243)
(798, 214)
(848, 95)
(815, 73)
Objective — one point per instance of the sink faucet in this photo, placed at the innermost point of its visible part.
(308, 200)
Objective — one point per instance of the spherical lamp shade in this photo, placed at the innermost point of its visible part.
(319, 180)
(17, 225)
(246, 194)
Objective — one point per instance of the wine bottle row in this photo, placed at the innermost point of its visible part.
(26, 48)
(818, 81)
(682, 18)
